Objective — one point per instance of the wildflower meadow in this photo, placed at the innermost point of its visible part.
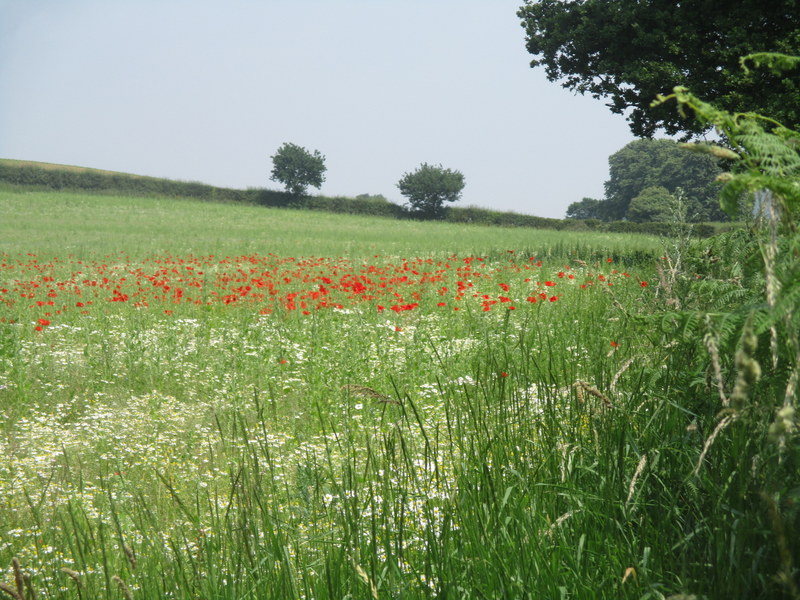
(210, 401)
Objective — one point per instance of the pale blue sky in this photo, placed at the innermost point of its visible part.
(207, 91)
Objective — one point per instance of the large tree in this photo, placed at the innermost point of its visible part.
(629, 51)
(646, 163)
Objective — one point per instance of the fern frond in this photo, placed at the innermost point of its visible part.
(776, 62)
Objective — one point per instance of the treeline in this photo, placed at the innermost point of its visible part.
(656, 180)
(54, 177)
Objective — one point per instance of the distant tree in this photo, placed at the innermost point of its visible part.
(629, 51)
(372, 197)
(652, 204)
(588, 208)
(429, 187)
(649, 163)
(297, 168)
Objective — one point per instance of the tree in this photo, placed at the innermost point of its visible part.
(429, 187)
(588, 208)
(647, 163)
(652, 204)
(297, 168)
(629, 52)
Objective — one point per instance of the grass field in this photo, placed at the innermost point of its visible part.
(62, 224)
(215, 401)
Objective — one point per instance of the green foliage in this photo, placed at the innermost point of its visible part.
(767, 155)
(429, 187)
(646, 163)
(588, 208)
(735, 338)
(652, 204)
(297, 168)
(628, 52)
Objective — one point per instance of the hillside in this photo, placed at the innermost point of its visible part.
(14, 163)
(49, 176)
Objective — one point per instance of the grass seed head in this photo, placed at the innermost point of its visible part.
(131, 556)
(582, 386)
(747, 367)
(74, 575)
(10, 591)
(18, 575)
(126, 591)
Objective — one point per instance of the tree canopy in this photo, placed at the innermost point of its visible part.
(429, 187)
(629, 51)
(652, 204)
(588, 208)
(297, 168)
(659, 163)
(645, 163)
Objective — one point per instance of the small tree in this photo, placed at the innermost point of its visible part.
(297, 168)
(429, 187)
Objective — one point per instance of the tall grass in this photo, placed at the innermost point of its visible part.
(207, 450)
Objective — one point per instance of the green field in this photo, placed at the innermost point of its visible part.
(216, 401)
(91, 225)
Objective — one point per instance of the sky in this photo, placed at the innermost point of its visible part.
(201, 90)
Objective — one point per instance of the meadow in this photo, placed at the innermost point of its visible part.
(202, 400)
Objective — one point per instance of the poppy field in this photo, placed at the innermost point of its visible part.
(484, 419)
